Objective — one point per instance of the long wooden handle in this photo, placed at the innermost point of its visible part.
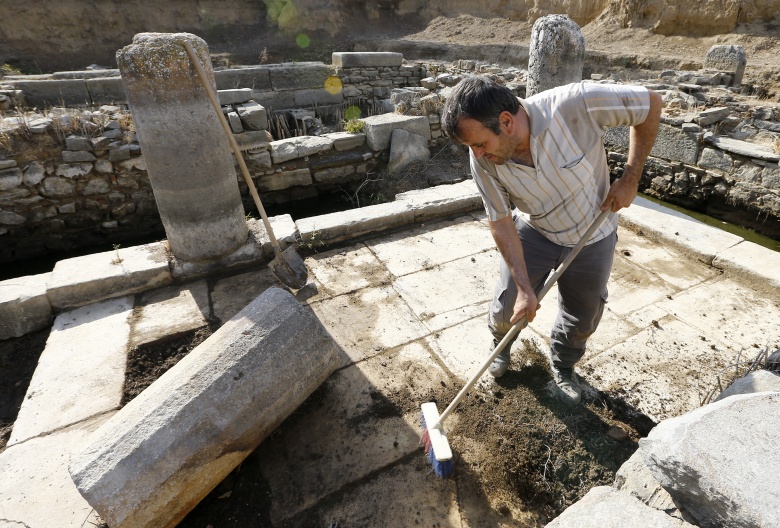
(519, 325)
(236, 150)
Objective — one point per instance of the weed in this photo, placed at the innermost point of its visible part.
(264, 56)
(314, 243)
(354, 126)
(117, 259)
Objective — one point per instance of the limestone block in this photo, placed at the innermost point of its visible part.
(715, 159)
(74, 170)
(353, 223)
(298, 147)
(81, 372)
(346, 140)
(106, 90)
(161, 454)
(605, 507)
(57, 187)
(355, 59)
(283, 180)
(235, 122)
(24, 306)
(442, 200)
(55, 92)
(407, 148)
(77, 143)
(671, 143)
(255, 77)
(80, 156)
(379, 128)
(167, 312)
(10, 178)
(713, 115)
(727, 449)
(275, 100)
(285, 231)
(253, 116)
(757, 381)
(317, 96)
(234, 96)
(299, 75)
(83, 280)
(336, 174)
(743, 148)
(253, 139)
(727, 58)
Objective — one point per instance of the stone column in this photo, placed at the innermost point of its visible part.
(556, 55)
(187, 155)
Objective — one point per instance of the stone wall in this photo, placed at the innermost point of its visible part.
(75, 178)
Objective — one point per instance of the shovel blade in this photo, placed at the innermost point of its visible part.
(289, 268)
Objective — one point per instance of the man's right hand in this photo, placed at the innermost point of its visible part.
(526, 305)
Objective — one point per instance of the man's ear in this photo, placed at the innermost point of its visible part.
(506, 121)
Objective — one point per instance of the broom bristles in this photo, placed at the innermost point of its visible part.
(442, 469)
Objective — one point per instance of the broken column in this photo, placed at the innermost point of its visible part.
(153, 461)
(728, 59)
(556, 55)
(187, 155)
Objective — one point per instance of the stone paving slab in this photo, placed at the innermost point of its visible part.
(368, 321)
(463, 347)
(678, 230)
(663, 371)
(426, 246)
(231, 294)
(730, 313)
(346, 432)
(169, 311)
(346, 270)
(36, 490)
(91, 278)
(742, 259)
(81, 372)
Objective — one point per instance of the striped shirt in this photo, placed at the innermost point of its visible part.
(560, 196)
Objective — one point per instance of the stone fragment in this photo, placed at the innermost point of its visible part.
(604, 507)
(253, 116)
(345, 140)
(205, 415)
(407, 148)
(725, 450)
(77, 143)
(379, 128)
(53, 187)
(713, 115)
(757, 381)
(77, 156)
(556, 55)
(10, 178)
(74, 170)
(235, 122)
(234, 96)
(349, 59)
(727, 58)
(34, 173)
(715, 159)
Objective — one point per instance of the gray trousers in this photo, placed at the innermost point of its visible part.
(582, 291)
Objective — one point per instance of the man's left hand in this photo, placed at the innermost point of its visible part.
(621, 193)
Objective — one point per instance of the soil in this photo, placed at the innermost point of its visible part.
(530, 449)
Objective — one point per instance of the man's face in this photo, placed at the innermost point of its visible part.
(482, 141)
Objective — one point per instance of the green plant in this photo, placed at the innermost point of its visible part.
(117, 259)
(354, 126)
(314, 242)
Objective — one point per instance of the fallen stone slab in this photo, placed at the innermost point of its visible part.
(407, 148)
(24, 306)
(742, 148)
(605, 507)
(91, 278)
(720, 461)
(161, 454)
(379, 128)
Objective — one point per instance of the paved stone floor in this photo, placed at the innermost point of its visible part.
(408, 310)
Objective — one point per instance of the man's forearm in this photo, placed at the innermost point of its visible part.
(641, 140)
(511, 249)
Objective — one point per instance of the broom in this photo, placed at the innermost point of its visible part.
(434, 439)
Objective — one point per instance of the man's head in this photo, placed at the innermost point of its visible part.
(485, 116)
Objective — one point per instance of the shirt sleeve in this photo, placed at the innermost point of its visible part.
(612, 105)
(494, 195)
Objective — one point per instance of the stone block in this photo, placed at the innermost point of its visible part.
(335, 174)
(275, 100)
(253, 139)
(24, 306)
(671, 143)
(604, 506)
(741, 260)
(756, 381)
(65, 391)
(106, 90)
(379, 128)
(205, 415)
(258, 78)
(235, 122)
(346, 140)
(317, 97)
(713, 115)
(284, 180)
(372, 59)
(407, 148)
(234, 96)
(299, 75)
(727, 58)
(91, 278)
(442, 200)
(557, 53)
(167, 312)
(40, 93)
(77, 156)
(299, 147)
(742, 148)
(353, 223)
(10, 178)
(715, 159)
(253, 116)
(727, 449)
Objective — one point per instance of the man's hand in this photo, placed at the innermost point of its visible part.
(640, 143)
(525, 305)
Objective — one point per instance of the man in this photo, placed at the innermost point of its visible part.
(545, 156)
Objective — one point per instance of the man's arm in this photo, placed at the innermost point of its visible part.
(641, 140)
(511, 249)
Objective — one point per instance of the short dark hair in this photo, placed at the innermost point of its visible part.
(479, 98)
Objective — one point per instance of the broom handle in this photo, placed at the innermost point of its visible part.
(519, 325)
(236, 150)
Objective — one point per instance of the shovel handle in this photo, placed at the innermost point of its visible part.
(519, 325)
(236, 150)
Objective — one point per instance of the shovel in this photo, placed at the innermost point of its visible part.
(287, 265)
